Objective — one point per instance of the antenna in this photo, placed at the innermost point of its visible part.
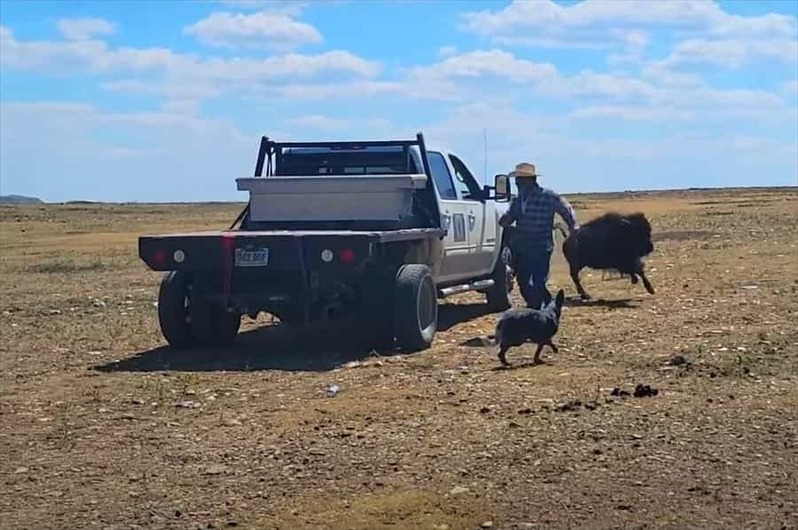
(485, 147)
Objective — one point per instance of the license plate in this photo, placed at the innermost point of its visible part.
(252, 258)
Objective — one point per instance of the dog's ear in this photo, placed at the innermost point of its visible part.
(560, 298)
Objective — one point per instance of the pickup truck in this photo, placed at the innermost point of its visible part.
(376, 230)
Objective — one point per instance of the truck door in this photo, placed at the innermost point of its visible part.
(481, 220)
(457, 256)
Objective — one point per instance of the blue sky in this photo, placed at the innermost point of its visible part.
(152, 100)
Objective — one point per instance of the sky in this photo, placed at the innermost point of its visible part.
(157, 100)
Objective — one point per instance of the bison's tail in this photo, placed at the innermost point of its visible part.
(561, 228)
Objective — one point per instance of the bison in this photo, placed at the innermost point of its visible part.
(611, 241)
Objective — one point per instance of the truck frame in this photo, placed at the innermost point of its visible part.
(378, 230)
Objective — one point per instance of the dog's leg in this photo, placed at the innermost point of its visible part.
(503, 355)
(553, 347)
(537, 354)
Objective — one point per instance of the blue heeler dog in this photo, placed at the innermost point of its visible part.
(519, 325)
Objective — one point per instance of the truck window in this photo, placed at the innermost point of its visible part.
(441, 175)
(466, 183)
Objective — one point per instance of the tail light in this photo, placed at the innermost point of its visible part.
(347, 255)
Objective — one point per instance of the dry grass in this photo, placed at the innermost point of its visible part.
(104, 427)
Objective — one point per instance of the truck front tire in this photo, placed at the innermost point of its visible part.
(415, 307)
(173, 309)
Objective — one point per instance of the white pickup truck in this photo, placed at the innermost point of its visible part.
(380, 229)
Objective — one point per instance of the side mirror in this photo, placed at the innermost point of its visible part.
(502, 187)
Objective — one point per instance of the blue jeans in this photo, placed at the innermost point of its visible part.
(534, 264)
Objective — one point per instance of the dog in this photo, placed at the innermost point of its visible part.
(519, 325)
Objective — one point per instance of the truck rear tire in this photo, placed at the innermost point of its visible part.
(212, 325)
(377, 294)
(415, 307)
(173, 310)
(498, 296)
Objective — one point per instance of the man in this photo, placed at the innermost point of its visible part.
(533, 212)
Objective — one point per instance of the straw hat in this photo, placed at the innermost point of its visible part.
(524, 170)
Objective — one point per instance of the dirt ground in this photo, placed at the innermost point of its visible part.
(104, 427)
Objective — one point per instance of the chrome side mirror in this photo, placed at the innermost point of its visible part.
(502, 187)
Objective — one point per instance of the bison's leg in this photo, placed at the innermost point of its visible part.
(503, 354)
(578, 284)
(646, 283)
(537, 359)
(553, 346)
(642, 274)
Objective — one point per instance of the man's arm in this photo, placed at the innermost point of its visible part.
(562, 207)
(511, 215)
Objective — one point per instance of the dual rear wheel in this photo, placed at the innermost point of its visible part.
(189, 323)
(401, 307)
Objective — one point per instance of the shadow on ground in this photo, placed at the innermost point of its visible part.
(621, 303)
(449, 315)
(313, 348)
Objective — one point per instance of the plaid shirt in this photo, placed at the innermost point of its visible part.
(533, 212)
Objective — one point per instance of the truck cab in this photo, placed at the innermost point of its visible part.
(466, 211)
(473, 234)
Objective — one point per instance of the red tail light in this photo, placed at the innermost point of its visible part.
(228, 242)
(159, 258)
(347, 255)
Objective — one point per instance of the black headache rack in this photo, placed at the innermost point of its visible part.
(275, 156)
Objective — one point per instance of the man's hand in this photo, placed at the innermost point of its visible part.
(505, 220)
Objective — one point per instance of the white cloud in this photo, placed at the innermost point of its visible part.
(84, 28)
(591, 19)
(354, 90)
(452, 76)
(175, 74)
(261, 29)
(633, 113)
(167, 156)
(317, 122)
(447, 51)
(172, 156)
(88, 55)
(287, 7)
(480, 63)
(181, 106)
(732, 53)
(169, 89)
(640, 117)
(790, 89)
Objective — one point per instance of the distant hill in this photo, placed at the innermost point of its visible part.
(19, 199)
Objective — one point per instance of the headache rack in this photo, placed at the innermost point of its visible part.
(276, 157)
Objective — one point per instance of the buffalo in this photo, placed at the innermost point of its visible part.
(611, 241)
